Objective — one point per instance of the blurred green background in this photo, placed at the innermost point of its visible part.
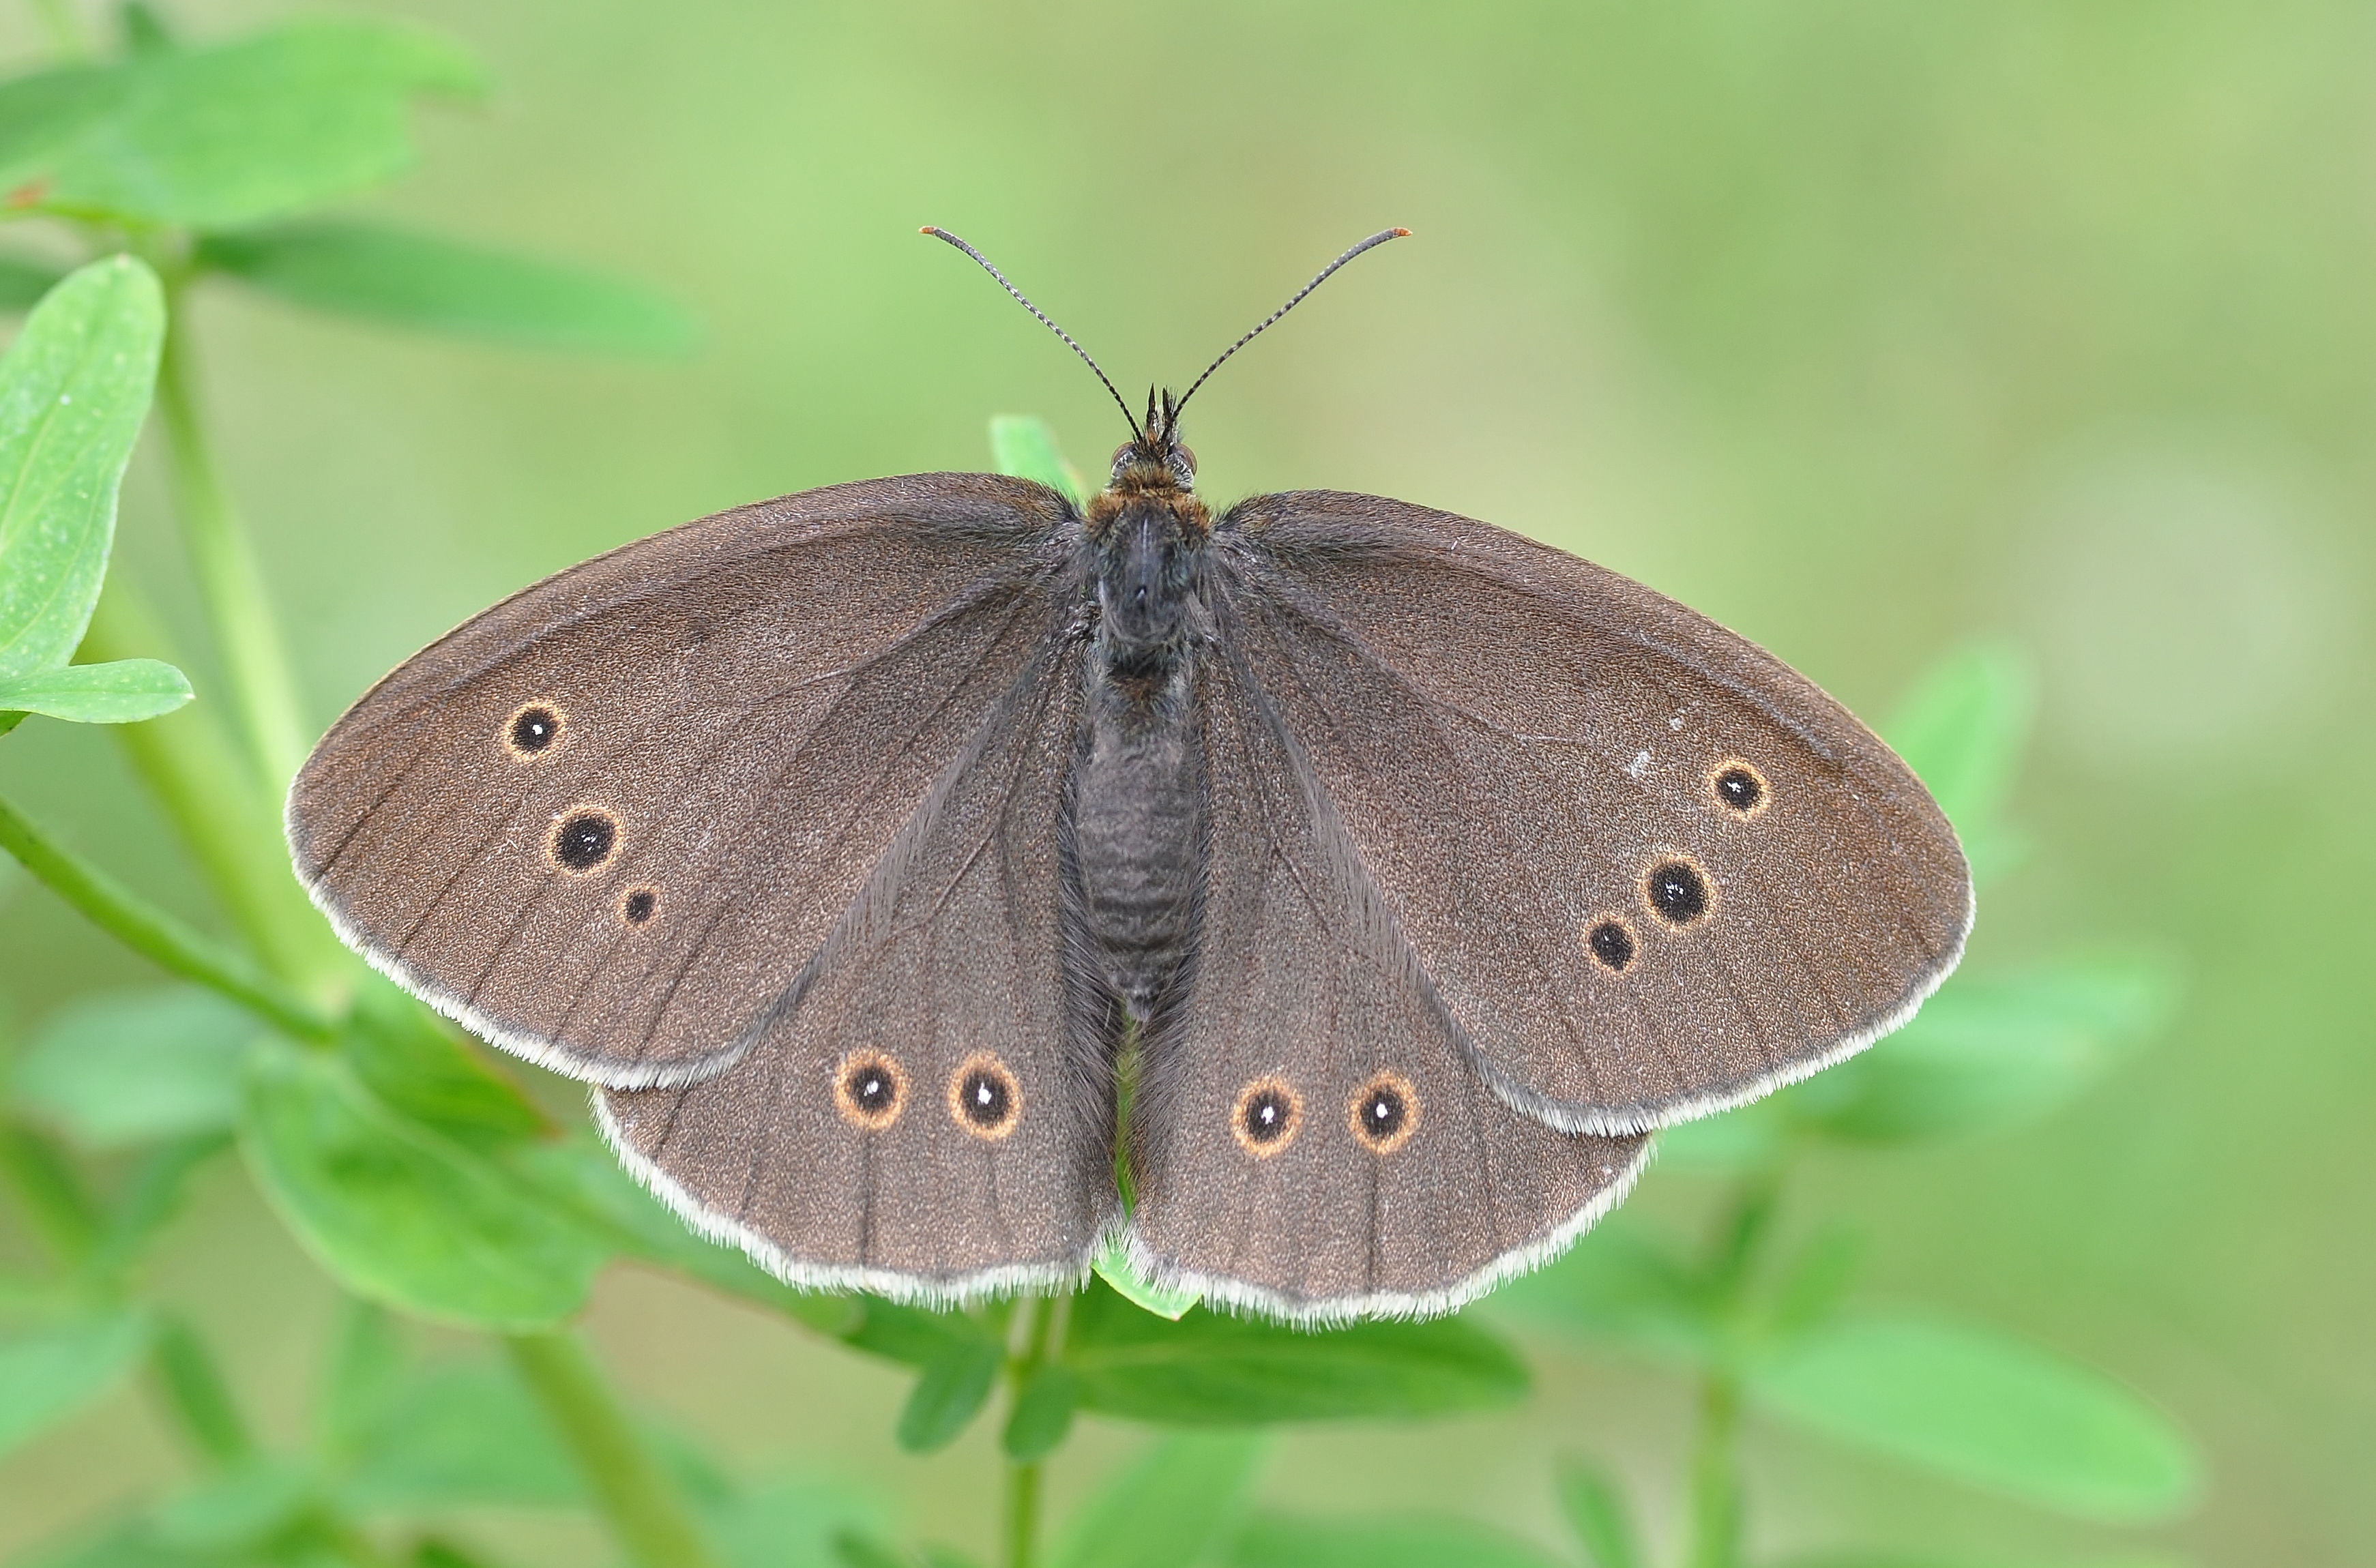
(1866, 329)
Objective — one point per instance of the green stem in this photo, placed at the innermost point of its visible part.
(1041, 1325)
(198, 779)
(194, 1394)
(643, 1510)
(155, 935)
(1714, 1533)
(230, 581)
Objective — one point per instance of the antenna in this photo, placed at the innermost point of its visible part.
(1370, 244)
(1134, 431)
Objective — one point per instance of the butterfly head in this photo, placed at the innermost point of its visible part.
(1155, 458)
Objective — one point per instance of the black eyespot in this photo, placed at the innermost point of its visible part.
(1740, 787)
(584, 839)
(1611, 944)
(1266, 1117)
(640, 905)
(868, 1090)
(532, 729)
(984, 1097)
(1676, 891)
(1385, 1112)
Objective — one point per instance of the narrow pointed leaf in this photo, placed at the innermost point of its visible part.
(1984, 1409)
(1166, 1509)
(1113, 1266)
(1962, 730)
(47, 1375)
(228, 134)
(74, 388)
(124, 692)
(1027, 449)
(435, 285)
(948, 1394)
(1043, 1415)
(1595, 1511)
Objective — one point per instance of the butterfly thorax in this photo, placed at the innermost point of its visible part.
(1137, 796)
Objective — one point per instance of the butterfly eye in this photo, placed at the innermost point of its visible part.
(984, 1099)
(638, 904)
(533, 730)
(868, 1090)
(1267, 1116)
(1676, 891)
(1740, 787)
(1384, 1113)
(584, 839)
(1610, 942)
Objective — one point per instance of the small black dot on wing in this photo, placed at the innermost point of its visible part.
(583, 839)
(1676, 891)
(639, 905)
(1740, 787)
(533, 730)
(1611, 944)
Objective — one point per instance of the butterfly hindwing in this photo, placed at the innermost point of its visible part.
(1649, 870)
(605, 823)
(1307, 1138)
(921, 1114)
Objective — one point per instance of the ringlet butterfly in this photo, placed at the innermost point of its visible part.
(860, 845)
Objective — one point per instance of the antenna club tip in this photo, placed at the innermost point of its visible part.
(1402, 234)
(928, 229)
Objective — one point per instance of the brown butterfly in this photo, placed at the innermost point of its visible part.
(863, 845)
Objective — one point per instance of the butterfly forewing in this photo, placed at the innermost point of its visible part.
(1647, 869)
(1308, 1138)
(921, 1114)
(606, 823)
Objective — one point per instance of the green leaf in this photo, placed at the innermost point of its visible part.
(1113, 1266)
(434, 285)
(1618, 1284)
(1207, 1369)
(948, 1394)
(74, 388)
(23, 282)
(1988, 1053)
(1984, 1409)
(136, 1067)
(792, 1523)
(1962, 730)
(1167, 1508)
(220, 136)
(1043, 1415)
(123, 691)
(369, 1365)
(401, 1216)
(414, 1065)
(582, 1178)
(237, 1509)
(1027, 449)
(1278, 1540)
(457, 1437)
(47, 1376)
(1595, 1511)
